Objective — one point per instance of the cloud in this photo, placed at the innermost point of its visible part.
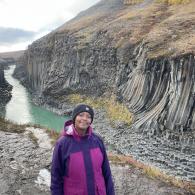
(32, 15)
(24, 21)
(76, 6)
(13, 35)
(14, 47)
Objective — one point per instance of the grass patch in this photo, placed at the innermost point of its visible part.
(153, 172)
(121, 42)
(174, 2)
(116, 111)
(33, 138)
(54, 135)
(8, 126)
(132, 2)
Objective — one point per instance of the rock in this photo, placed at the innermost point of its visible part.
(42, 139)
(5, 88)
(21, 161)
(129, 180)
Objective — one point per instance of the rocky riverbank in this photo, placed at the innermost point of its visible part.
(26, 161)
(5, 93)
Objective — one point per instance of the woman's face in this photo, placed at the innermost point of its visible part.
(83, 120)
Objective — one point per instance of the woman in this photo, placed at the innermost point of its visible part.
(80, 165)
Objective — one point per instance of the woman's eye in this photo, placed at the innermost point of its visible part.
(87, 116)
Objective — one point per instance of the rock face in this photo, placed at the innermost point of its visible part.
(162, 93)
(5, 88)
(2, 78)
(141, 53)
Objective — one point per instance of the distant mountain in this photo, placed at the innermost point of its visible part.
(14, 54)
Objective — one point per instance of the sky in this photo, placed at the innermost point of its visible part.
(23, 21)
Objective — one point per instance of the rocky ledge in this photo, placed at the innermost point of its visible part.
(25, 168)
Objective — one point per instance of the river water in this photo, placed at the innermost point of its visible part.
(21, 110)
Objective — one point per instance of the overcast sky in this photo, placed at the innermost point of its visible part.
(22, 21)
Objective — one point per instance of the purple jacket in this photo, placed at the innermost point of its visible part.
(80, 165)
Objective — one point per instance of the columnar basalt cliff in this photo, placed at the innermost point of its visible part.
(143, 53)
(2, 78)
(5, 88)
(161, 93)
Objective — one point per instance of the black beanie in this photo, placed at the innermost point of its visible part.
(82, 108)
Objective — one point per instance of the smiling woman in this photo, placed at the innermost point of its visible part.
(80, 164)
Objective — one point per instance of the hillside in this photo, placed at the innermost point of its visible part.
(12, 55)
